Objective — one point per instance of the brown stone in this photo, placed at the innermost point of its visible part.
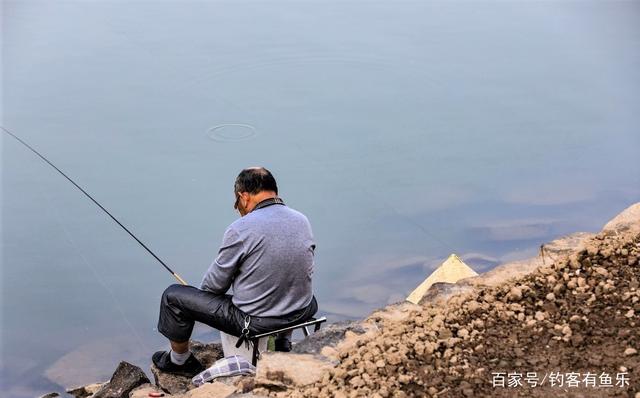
(211, 390)
(124, 380)
(296, 369)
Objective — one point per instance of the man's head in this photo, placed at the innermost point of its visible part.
(253, 185)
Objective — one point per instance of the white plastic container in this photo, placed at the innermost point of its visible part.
(229, 346)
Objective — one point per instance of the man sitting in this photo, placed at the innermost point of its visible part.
(266, 258)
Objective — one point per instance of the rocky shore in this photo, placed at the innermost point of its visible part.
(563, 324)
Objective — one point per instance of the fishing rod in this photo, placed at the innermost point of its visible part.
(182, 281)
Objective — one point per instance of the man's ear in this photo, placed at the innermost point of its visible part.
(244, 197)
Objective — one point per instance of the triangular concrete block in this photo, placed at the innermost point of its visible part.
(451, 271)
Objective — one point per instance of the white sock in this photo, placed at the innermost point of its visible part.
(179, 359)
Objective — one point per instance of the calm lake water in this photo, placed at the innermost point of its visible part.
(404, 131)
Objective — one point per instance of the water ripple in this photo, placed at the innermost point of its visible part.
(232, 132)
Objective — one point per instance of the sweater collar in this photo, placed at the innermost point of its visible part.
(268, 202)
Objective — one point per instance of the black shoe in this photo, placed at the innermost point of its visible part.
(283, 344)
(162, 360)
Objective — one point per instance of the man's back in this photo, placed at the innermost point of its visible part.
(267, 257)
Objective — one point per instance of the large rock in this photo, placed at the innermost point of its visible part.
(242, 383)
(396, 312)
(124, 380)
(626, 222)
(211, 390)
(173, 384)
(208, 390)
(328, 335)
(85, 391)
(143, 391)
(291, 369)
(207, 354)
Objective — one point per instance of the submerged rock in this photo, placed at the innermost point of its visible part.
(80, 366)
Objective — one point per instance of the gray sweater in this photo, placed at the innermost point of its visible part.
(266, 258)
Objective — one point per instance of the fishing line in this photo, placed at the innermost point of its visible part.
(89, 265)
(182, 281)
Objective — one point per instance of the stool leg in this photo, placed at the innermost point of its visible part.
(316, 327)
(305, 331)
(254, 357)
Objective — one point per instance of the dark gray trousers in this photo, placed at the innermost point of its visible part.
(181, 306)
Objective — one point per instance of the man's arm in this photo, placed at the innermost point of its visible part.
(221, 272)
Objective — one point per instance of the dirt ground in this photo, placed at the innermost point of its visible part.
(570, 329)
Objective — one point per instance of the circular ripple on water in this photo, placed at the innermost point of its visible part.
(232, 132)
